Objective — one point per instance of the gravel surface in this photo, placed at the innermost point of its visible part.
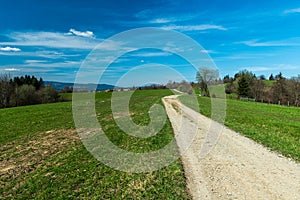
(222, 164)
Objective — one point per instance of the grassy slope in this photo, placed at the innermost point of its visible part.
(276, 127)
(28, 120)
(73, 172)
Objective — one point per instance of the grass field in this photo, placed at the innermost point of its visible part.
(43, 158)
(276, 127)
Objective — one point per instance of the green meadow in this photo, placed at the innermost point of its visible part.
(43, 158)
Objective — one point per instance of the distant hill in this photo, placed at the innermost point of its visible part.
(89, 87)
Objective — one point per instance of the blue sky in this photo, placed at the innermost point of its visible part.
(51, 39)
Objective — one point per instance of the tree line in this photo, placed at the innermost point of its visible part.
(25, 90)
(275, 89)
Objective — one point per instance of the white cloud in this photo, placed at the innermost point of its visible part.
(237, 57)
(207, 51)
(290, 11)
(287, 42)
(287, 67)
(195, 27)
(162, 18)
(152, 54)
(35, 61)
(258, 69)
(160, 21)
(43, 54)
(52, 65)
(47, 68)
(50, 39)
(9, 49)
(11, 69)
(88, 34)
(271, 68)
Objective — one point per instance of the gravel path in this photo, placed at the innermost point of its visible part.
(235, 167)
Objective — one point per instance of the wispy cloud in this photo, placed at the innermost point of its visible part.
(50, 39)
(164, 18)
(11, 69)
(207, 51)
(243, 56)
(160, 21)
(257, 69)
(49, 54)
(52, 65)
(270, 68)
(201, 27)
(290, 11)
(88, 34)
(278, 43)
(287, 67)
(236, 57)
(173, 19)
(152, 54)
(144, 14)
(9, 49)
(35, 61)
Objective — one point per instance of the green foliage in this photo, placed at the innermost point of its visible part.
(232, 96)
(26, 90)
(243, 87)
(277, 90)
(269, 83)
(227, 79)
(26, 95)
(48, 95)
(27, 80)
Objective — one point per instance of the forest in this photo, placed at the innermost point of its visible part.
(25, 90)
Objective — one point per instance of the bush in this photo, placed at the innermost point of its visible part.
(48, 95)
(26, 95)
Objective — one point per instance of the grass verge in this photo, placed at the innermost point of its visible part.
(276, 127)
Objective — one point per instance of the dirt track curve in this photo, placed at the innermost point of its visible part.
(236, 167)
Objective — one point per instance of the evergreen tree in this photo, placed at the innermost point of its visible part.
(279, 76)
(243, 87)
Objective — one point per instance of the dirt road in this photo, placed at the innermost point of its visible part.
(235, 166)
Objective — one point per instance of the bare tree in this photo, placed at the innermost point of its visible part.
(6, 90)
(206, 76)
(257, 89)
(296, 89)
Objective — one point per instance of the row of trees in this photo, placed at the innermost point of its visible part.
(245, 84)
(182, 86)
(277, 89)
(24, 90)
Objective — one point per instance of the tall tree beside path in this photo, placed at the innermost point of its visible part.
(206, 77)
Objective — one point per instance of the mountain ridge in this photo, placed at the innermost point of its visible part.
(88, 86)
